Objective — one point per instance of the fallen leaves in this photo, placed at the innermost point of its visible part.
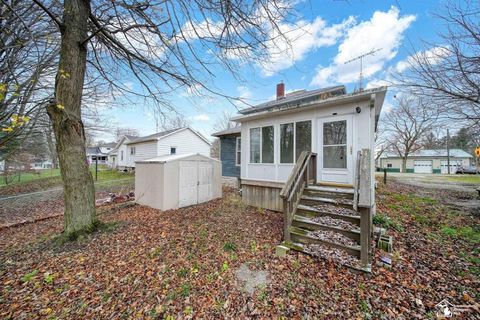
(182, 264)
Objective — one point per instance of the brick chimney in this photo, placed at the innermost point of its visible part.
(280, 91)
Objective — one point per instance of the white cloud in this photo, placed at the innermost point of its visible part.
(383, 31)
(201, 117)
(298, 40)
(244, 93)
(433, 56)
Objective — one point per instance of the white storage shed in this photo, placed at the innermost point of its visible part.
(175, 181)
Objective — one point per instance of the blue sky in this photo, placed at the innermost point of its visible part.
(324, 34)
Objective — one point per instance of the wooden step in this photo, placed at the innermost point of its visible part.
(335, 184)
(301, 236)
(330, 189)
(306, 199)
(329, 192)
(308, 211)
(308, 224)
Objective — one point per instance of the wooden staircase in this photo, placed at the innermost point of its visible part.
(325, 220)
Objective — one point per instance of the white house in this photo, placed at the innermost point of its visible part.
(330, 122)
(176, 141)
(117, 157)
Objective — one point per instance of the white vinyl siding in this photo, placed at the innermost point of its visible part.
(142, 151)
(185, 141)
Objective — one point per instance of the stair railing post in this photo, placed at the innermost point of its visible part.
(365, 205)
(286, 222)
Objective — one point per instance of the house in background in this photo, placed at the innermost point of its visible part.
(95, 155)
(107, 147)
(427, 161)
(329, 122)
(230, 151)
(39, 164)
(176, 141)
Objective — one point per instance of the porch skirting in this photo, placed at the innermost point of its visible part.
(262, 194)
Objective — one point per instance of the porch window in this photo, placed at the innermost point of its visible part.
(238, 151)
(286, 143)
(267, 144)
(261, 145)
(255, 145)
(335, 144)
(303, 137)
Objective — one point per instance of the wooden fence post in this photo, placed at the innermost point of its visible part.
(384, 175)
(365, 204)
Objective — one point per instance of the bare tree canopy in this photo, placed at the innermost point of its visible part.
(161, 46)
(448, 73)
(407, 125)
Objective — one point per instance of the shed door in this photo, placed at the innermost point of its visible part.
(205, 181)
(188, 184)
(422, 166)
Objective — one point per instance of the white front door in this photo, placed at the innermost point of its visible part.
(422, 166)
(335, 150)
(188, 183)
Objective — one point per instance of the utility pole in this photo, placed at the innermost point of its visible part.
(448, 151)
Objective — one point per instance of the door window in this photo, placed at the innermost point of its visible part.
(335, 144)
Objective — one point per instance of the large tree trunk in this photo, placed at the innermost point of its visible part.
(65, 113)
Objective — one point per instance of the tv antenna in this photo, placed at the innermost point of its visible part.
(360, 57)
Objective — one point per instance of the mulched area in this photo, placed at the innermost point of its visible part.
(182, 264)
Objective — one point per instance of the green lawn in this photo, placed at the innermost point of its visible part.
(53, 177)
(461, 178)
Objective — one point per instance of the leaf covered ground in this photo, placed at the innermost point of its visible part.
(148, 264)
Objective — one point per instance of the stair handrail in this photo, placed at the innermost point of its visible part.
(304, 171)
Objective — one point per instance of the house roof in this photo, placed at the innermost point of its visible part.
(154, 136)
(108, 145)
(234, 130)
(296, 98)
(94, 151)
(375, 95)
(163, 134)
(454, 153)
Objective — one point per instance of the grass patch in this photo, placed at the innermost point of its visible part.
(466, 233)
(468, 179)
(229, 246)
(386, 222)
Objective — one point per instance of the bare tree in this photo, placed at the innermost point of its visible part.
(169, 122)
(162, 45)
(223, 122)
(407, 124)
(120, 132)
(448, 73)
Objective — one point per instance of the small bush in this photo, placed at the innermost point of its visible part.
(229, 246)
(29, 276)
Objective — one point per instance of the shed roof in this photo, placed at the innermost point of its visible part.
(234, 130)
(175, 157)
(454, 153)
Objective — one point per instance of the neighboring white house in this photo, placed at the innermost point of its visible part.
(330, 122)
(42, 164)
(427, 161)
(175, 141)
(95, 155)
(107, 147)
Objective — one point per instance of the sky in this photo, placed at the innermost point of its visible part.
(324, 34)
